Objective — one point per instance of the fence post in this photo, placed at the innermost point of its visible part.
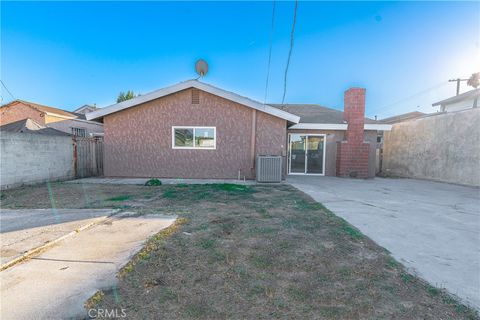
(75, 157)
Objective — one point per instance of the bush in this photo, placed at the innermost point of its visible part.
(153, 182)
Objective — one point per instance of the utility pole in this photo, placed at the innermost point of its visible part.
(458, 83)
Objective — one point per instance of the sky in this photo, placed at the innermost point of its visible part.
(67, 54)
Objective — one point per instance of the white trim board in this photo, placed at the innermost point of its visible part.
(193, 84)
(377, 126)
(319, 126)
(339, 126)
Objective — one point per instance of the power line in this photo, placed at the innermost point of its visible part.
(270, 51)
(292, 38)
(388, 107)
(3, 84)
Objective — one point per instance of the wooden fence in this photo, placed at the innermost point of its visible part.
(88, 157)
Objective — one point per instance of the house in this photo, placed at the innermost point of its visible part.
(195, 130)
(466, 100)
(403, 117)
(66, 121)
(85, 109)
(30, 126)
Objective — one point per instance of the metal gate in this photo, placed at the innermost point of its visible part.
(88, 156)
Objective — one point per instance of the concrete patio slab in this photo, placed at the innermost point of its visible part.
(141, 181)
(432, 228)
(56, 284)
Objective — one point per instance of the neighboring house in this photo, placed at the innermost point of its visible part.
(85, 109)
(195, 130)
(30, 126)
(402, 117)
(459, 102)
(68, 122)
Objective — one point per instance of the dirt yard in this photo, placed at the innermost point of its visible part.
(257, 252)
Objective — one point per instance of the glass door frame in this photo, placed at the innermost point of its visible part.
(306, 150)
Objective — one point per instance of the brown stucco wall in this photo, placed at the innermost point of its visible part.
(138, 140)
(20, 111)
(334, 136)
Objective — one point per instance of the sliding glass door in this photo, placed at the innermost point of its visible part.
(297, 153)
(306, 154)
(315, 145)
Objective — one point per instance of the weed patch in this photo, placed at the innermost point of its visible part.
(351, 231)
(95, 299)
(154, 243)
(406, 278)
(392, 263)
(167, 294)
(120, 198)
(432, 290)
(306, 205)
(230, 187)
(263, 212)
(261, 261)
(207, 243)
(196, 310)
(170, 194)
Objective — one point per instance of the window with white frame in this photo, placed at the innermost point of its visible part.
(79, 132)
(194, 137)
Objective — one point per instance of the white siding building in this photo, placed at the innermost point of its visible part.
(462, 101)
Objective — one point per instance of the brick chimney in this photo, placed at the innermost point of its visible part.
(352, 153)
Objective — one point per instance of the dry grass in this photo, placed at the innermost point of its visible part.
(258, 252)
(67, 195)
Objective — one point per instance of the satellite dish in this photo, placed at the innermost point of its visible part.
(201, 67)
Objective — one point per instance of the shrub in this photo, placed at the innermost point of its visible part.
(153, 182)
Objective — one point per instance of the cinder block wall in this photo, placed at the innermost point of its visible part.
(30, 158)
(443, 147)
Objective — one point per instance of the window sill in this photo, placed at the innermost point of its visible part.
(193, 148)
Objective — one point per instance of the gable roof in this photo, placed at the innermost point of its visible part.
(314, 113)
(198, 85)
(403, 117)
(85, 109)
(30, 126)
(317, 117)
(44, 109)
(472, 94)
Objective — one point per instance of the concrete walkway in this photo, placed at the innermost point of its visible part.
(25, 229)
(432, 228)
(56, 284)
(141, 181)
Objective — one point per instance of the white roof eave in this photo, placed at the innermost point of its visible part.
(339, 126)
